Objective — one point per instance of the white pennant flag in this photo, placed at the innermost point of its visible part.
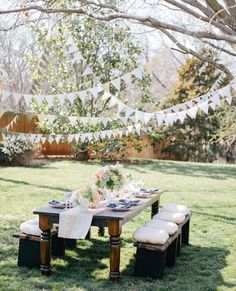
(50, 139)
(94, 91)
(109, 133)
(182, 116)
(104, 121)
(212, 105)
(39, 99)
(93, 120)
(43, 139)
(70, 138)
(27, 98)
(160, 119)
(73, 48)
(17, 98)
(147, 117)
(83, 96)
(128, 111)
(106, 87)
(71, 97)
(58, 138)
(103, 134)
(49, 100)
(83, 137)
(121, 106)
(51, 118)
(189, 104)
(87, 71)
(204, 107)
(138, 73)
(124, 119)
(225, 92)
(96, 135)
(77, 56)
(192, 112)
(229, 100)
(170, 118)
(215, 98)
(130, 128)
(116, 83)
(204, 97)
(73, 120)
(89, 136)
(128, 79)
(5, 95)
(77, 137)
(61, 99)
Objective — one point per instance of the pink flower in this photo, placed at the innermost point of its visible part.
(99, 174)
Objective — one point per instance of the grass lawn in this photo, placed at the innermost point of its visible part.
(209, 263)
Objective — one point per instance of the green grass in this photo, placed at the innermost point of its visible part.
(207, 264)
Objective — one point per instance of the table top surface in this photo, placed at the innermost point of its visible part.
(105, 213)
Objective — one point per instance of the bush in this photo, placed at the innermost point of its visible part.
(15, 151)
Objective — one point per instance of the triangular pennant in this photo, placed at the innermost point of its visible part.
(116, 83)
(27, 98)
(43, 139)
(51, 118)
(104, 121)
(61, 99)
(50, 139)
(58, 138)
(138, 73)
(73, 120)
(128, 111)
(139, 115)
(77, 137)
(229, 100)
(89, 136)
(160, 119)
(189, 104)
(225, 92)
(5, 95)
(71, 97)
(94, 91)
(128, 79)
(70, 138)
(212, 105)
(83, 96)
(103, 134)
(147, 117)
(77, 57)
(87, 71)
(124, 119)
(192, 112)
(49, 99)
(73, 48)
(106, 87)
(182, 116)
(204, 107)
(215, 98)
(39, 100)
(109, 133)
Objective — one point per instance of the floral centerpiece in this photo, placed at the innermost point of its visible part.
(110, 177)
(87, 193)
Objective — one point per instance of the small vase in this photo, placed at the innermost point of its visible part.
(83, 204)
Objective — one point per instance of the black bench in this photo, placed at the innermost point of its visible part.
(29, 249)
(152, 259)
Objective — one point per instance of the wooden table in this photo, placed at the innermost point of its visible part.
(105, 218)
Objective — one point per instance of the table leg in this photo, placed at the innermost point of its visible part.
(155, 208)
(45, 245)
(114, 230)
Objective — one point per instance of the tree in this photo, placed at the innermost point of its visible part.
(216, 18)
(109, 50)
(194, 139)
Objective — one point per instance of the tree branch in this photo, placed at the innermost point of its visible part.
(219, 48)
(148, 21)
(199, 56)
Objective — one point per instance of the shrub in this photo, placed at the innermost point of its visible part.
(15, 151)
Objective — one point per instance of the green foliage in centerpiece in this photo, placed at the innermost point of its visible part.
(110, 177)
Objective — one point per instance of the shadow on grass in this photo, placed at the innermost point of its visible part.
(198, 268)
(184, 168)
(20, 182)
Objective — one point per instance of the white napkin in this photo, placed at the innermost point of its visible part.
(74, 223)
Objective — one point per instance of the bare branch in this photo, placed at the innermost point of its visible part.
(197, 55)
(148, 21)
(219, 48)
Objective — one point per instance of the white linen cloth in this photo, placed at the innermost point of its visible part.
(75, 224)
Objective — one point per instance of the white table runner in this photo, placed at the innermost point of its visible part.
(75, 224)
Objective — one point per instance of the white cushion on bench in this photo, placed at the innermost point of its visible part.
(30, 227)
(176, 208)
(147, 235)
(175, 217)
(169, 227)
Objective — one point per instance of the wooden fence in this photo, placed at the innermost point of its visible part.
(150, 150)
